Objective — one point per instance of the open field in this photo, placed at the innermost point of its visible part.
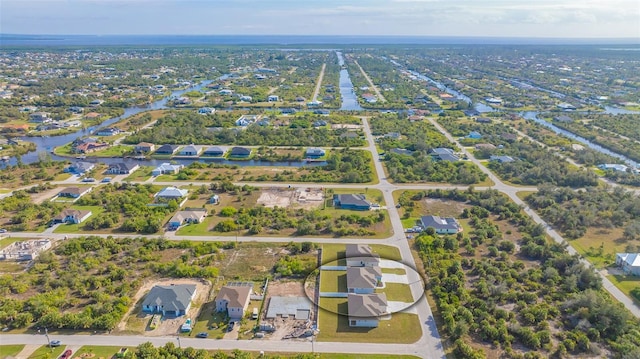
(97, 351)
(10, 351)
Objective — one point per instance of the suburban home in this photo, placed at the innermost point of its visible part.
(169, 300)
(110, 131)
(288, 111)
(314, 152)
(234, 300)
(246, 98)
(485, 146)
(566, 106)
(79, 167)
(169, 193)
(187, 217)
(167, 150)
(73, 216)
(122, 168)
(392, 135)
(206, 110)
(40, 117)
(89, 147)
(629, 262)
(355, 202)
(363, 280)
(613, 167)
(361, 255)
(493, 100)
(213, 152)
(474, 135)
(365, 310)
(246, 120)
(447, 225)
(190, 150)
(322, 112)
(92, 116)
(273, 98)
(240, 152)
(401, 151)
(74, 192)
(443, 154)
(166, 169)
(145, 147)
(501, 159)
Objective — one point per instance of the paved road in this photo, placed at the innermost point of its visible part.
(319, 83)
(371, 84)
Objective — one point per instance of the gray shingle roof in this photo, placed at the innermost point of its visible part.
(170, 297)
(363, 277)
(367, 305)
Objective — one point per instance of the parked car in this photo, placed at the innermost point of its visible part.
(106, 180)
(55, 343)
(202, 335)
(230, 327)
(2, 230)
(66, 354)
(88, 179)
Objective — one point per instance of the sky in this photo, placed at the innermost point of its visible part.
(494, 18)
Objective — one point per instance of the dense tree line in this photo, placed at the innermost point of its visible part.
(170, 351)
(512, 296)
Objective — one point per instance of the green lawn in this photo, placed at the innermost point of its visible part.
(105, 352)
(8, 240)
(333, 281)
(397, 292)
(626, 283)
(141, 174)
(399, 271)
(211, 321)
(8, 351)
(333, 252)
(402, 328)
(44, 352)
(75, 228)
(200, 229)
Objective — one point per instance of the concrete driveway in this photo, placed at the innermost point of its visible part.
(394, 278)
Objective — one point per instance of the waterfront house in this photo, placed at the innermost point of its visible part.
(629, 262)
(273, 98)
(145, 147)
(213, 152)
(167, 150)
(122, 168)
(314, 152)
(166, 169)
(190, 150)
(79, 167)
(240, 152)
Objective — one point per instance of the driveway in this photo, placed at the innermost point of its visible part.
(395, 307)
(387, 263)
(394, 278)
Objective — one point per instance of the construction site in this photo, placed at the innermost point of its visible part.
(292, 197)
(289, 313)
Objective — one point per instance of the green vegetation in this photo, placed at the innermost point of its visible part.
(10, 351)
(489, 292)
(44, 352)
(21, 214)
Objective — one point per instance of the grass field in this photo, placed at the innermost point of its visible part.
(199, 229)
(44, 352)
(600, 246)
(335, 253)
(141, 174)
(8, 240)
(10, 351)
(626, 283)
(402, 328)
(397, 292)
(105, 352)
(333, 281)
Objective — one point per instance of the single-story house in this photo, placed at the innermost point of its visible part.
(319, 123)
(402, 151)
(206, 110)
(246, 98)
(511, 137)
(501, 159)
(190, 150)
(234, 300)
(187, 216)
(213, 152)
(246, 120)
(79, 167)
(361, 255)
(563, 118)
(613, 167)
(443, 154)
(122, 168)
(273, 98)
(169, 193)
(288, 111)
(365, 310)
(166, 169)
(447, 225)
(240, 152)
(225, 92)
(629, 262)
(89, 147)
(74, 192)
(363, 280)
(322, 112)
(72, 216)
(167, 149)
(392, 135)
(92, 115)
(145, 147)
(110, 131)
(40, 117)
(567, 106)
(314, 152)
(475, 135)
(485, 146)
(169, 300)
(356, 202)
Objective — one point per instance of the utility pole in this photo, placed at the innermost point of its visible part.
(46, 334)
(179, 345)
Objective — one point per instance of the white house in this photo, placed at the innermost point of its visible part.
(273, 98)
(441, 225)
(234, 300)
(169, 193)
(629, 262)
(166, 168)
(365, 310)
(72, 216)
(190, 150)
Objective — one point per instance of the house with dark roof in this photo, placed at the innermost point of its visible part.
(483, 120)
(79, 167)
(511, 137)
(122, 168)
(169, 300)
(443, 154)
(74, 192)
(213, 152)
(240, 152)
(361, 255)
(363, 280)
(441, 225)
(234, 300)
(474, 135)
(355, 202)
(365, 310)
(167, 150)
(563, 118)
(401, 151)
(314, 152)
(169, 193)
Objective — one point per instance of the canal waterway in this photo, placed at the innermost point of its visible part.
(349, 97)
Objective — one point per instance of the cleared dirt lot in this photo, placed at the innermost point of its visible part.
(135, 321)
(308, 198)
(287, 326)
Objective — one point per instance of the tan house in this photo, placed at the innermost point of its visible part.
(233, 300)
(145, 147)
